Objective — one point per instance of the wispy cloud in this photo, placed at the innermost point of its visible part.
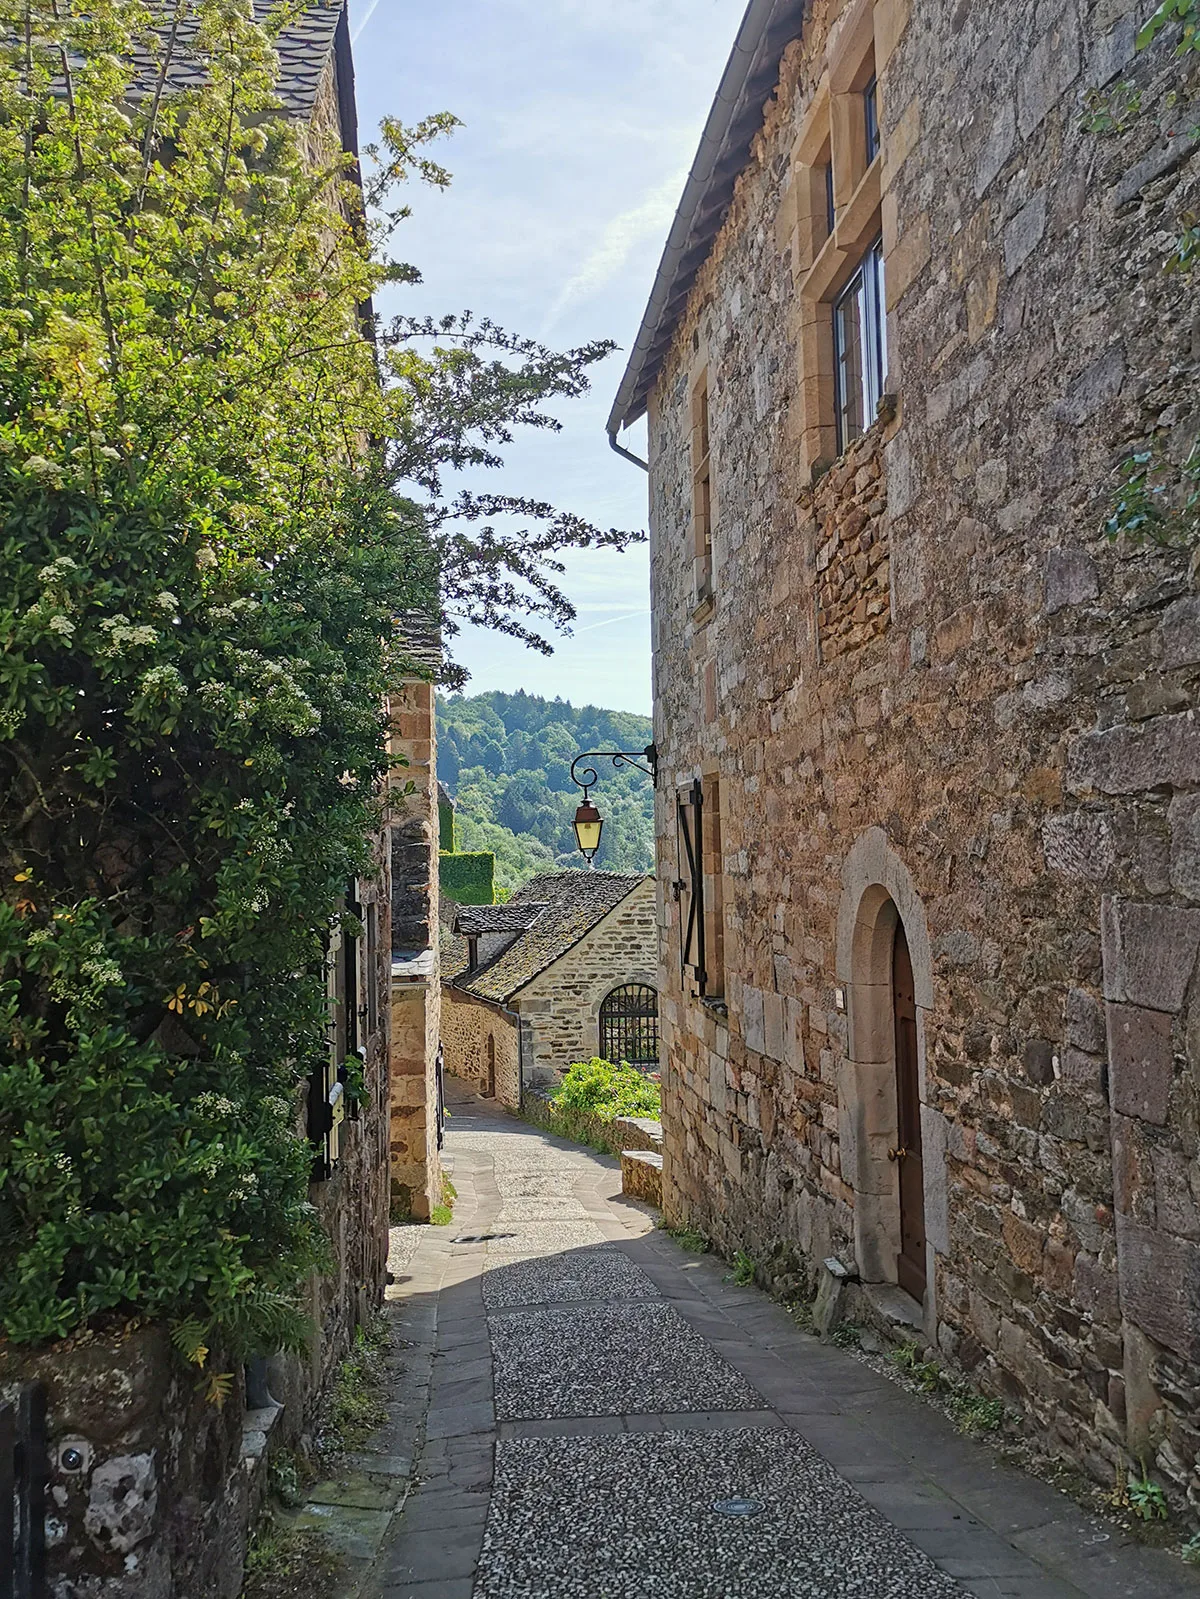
(628, 617)
(370, 12)
(618, 241)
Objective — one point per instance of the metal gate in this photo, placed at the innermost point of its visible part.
(23, 1495)
(629, 1025)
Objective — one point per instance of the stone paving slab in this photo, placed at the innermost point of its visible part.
(567, 1521)
(575, 1274)
(542, 1207)
(609, 1360)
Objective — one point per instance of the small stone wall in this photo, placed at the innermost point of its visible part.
(641, 1176)
(147, 1497)
(625, 1132)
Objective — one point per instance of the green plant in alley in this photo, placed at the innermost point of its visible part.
(286, 1562)
(1146, 1499)
(442, 1215)
(213, 509)
(847, 1336)
(744, 1268)
(357, 1403)
(689, 1239)
(608, 1091)
(1190, 1551)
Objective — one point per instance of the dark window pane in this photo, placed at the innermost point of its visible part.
(848, 341)
(830, 212)
(871, 113)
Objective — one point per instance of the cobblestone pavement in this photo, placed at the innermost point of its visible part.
(593, 1414)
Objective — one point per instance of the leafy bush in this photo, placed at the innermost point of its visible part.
(608, 1091)
(207, 534)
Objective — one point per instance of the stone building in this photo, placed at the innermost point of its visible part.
(927, 815)
(565, 971)
(416, 1177)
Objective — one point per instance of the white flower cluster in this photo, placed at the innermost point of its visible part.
(126, 635)
(162, 683)
(214, 1105)
(57, 570)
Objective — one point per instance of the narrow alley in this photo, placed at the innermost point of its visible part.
(592, 1413)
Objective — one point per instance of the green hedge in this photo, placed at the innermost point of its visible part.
(446, 839)
(468, 879)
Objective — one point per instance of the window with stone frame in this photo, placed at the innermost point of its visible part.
(839, 241)
(702, 495)
(713, 868)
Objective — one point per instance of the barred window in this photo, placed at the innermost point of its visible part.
(629, 1025)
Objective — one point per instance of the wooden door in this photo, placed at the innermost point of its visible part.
(490, 1086)
(910, 1263)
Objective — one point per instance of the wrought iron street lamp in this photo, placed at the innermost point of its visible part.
(589, 824)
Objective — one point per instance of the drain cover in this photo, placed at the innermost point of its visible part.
(737, 1507)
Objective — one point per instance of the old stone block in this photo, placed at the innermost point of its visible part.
(753, 1021)
(1071, 578)
(1098, 384)
(1184, 820)
(1038, 1061)
(1141, 1062)
(1149, 952)
(1160, 1285)
(1096, 1290)
(1079, 845)
(998, 146)
(1180, 632)
(1174, 1197)
(1129, 760)
(1085, 1021)
(1024, 233)
(1024, 1243)
(1052, 65)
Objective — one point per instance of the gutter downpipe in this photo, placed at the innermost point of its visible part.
(759, 14)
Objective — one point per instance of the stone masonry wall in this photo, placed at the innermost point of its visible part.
(561, 1006)
(1006, 755)
(467, 1026)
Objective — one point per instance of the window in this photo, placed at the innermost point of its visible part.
(871, 117)
(713, 866)
(702, 493)
(830, 209)
(629, 1025)
(860, 348)
(699, 889)
(689, 887)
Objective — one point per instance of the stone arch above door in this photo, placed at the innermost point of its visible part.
(877, 891)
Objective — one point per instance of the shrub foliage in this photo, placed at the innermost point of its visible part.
(212, 508)
(608, 1091)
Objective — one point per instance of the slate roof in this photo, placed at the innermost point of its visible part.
(472, 920)
(574, 903)
(305, 47)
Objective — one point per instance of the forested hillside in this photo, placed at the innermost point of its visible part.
(506, 761)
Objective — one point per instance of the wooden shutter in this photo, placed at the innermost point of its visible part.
(689, 888)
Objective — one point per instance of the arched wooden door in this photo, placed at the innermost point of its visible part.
(910, 1263)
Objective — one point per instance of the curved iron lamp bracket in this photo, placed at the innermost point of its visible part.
(589, 777)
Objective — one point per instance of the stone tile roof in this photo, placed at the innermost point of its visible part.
(305, 47)
(574, 903)
(472, 920)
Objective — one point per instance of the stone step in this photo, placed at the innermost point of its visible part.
(641, 1175)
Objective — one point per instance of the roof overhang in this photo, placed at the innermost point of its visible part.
(768, 27)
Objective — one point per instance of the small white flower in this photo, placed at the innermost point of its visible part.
(206, 556)
(166, 601)
(61, 625)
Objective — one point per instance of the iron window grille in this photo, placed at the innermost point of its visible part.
(860, 348)
(629, 1025)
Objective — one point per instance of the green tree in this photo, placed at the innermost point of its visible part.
(217, 488)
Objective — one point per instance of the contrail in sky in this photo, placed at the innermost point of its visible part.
(358, 32)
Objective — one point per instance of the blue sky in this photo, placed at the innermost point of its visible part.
(580, 123)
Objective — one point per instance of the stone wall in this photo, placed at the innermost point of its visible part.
(415, 968)
(561, 1006)
(1004, 756)
(482, 1046)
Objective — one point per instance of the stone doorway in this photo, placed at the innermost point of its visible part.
(906, 1153)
